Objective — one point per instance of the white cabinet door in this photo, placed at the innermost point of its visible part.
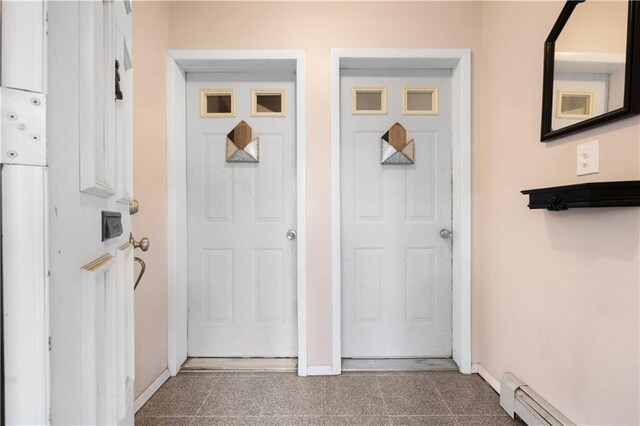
(242, 267)
(396, 269)
(90, 170)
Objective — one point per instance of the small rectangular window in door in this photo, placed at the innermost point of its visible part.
(268, 102)
(574, 104)
(217, 103)
(420, 101)
(369, 100)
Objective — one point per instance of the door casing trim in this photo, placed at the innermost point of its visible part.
(179, 62)
(459, 61)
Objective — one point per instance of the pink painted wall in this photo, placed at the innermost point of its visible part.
(555, 296)
(314, 27)
(317, 28)
(150, 41)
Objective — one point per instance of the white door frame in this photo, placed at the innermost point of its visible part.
(459, 61)
(24, 217)
(179, 62)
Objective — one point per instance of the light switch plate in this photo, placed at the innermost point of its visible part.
(588, 158)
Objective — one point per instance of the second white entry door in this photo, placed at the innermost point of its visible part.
(241, 180)
(396, 267)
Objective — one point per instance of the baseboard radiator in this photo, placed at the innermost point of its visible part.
(520, 400)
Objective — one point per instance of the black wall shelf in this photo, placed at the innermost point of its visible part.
(595, 194)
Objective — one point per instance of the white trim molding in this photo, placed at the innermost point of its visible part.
(488, 377)
(151, 390)
(179, 62)
(320, 370)
(459, 61)
(24, 45)
(25, 257)
(24, 216)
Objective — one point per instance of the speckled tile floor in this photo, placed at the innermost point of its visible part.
(433, 398)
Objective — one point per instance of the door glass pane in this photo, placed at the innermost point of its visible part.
(268, 102)
(421, 100)
(369, 100)
(575, 105)
(217, 103)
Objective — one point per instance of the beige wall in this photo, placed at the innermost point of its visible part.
(596, 26)
(150, 41)
(314, 27)
(318, 27)
(555, 295)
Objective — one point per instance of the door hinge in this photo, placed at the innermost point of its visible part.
(119, 95)
(24, 127)
(49, 343)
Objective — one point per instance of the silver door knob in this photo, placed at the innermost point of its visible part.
(445, 233)
(134, 206)
(291, 234)
(143, 244)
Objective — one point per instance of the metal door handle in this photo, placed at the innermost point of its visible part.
(143, 266)
(445, 233)
(291, 234)
(143, 244)
(134, 206)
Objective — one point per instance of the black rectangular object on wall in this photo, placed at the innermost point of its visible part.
(111, 225)
(591, 194)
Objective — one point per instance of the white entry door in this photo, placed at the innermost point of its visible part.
(241, 180)
(396, 268)
(89, 148)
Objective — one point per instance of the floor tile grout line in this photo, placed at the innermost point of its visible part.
(269, 388)
(435, 386)
(324, 395)
(177, 416)
(218, 378)
(384, 402)
(431, 416)
(483, 415)
(327, 415)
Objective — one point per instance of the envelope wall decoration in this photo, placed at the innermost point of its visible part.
(242, 144)
(395, 148)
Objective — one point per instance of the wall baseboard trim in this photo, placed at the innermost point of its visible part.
(319, 370)
(493, 382)
(153, 388)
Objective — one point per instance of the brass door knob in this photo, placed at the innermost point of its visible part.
(143, 244)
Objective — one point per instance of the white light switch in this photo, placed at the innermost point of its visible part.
(588, 158)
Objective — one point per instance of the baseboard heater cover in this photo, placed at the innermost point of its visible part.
(519, 399)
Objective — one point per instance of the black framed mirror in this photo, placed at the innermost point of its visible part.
(591, 66)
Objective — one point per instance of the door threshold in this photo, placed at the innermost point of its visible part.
(256, 365)
(398, 364)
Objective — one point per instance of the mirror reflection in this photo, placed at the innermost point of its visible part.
(589, 62)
